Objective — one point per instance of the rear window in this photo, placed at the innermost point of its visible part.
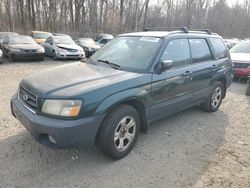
(220, 50)
(199, 50)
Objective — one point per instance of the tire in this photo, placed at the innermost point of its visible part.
(11, 59)
(214, 100)
(114, 137)
(248, 87)
(54, 56)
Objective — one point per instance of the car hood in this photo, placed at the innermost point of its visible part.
(75, 79)
(25, 46)
(69, 46)
(242, 57)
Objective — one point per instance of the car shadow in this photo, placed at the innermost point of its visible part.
(174, 153)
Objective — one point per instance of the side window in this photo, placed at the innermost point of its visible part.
(220, 50)
(178, 51)
(199, 50)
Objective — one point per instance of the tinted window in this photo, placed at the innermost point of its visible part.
(220, 50)
(199, 50)
(178, 51)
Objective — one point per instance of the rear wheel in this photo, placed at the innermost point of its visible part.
(214, 100)
(119, 131)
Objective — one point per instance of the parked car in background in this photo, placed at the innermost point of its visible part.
(40, 36)
(5, 34)
(60, 34)
(240, 55)
(89, 46)
(22, 47)
(134, 80)
(62, 47)
(1, 57)
(103, 39)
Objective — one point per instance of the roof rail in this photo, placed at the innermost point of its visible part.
(204, 30)
(184, 29)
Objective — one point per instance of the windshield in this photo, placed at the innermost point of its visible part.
(41, 35)
(64, 40)
(243, 47)
(87, 41)
(131, 53)
(21, 40)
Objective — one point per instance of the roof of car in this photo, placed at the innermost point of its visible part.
(40, 32)
(163, 34)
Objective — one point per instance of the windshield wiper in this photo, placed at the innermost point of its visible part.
(113, 65)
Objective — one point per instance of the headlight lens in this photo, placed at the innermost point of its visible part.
(62, 50)
(15, 50)
(40, 50)
(65, 108)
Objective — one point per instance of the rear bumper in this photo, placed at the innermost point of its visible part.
(67, 133)
(241, 72)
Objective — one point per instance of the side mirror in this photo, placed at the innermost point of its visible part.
(164, 65)
(51, 43)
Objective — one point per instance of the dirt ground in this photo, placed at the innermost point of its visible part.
(190, 149)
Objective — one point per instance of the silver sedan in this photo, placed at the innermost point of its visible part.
(62, 47)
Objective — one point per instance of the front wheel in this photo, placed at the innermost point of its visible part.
(119, 131)
(214, 100)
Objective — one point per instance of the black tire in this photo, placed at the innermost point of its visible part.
(111, 124)
(209, 104)
(248, 87)
(54, 56)
(11, 58)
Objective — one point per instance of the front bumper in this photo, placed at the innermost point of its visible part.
(70, 55)
(23, 55)
(241, 72)
(67, 133)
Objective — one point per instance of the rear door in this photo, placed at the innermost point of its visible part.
(170, 91)
(203, 67)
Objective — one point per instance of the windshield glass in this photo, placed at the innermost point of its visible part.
(41, 35)
(21, 40)
(131, 53)
(63, 40)
(87, 41)
(243, 47)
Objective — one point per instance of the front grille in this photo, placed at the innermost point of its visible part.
(72, 50)
(29, 99)
(240, 65)
(29, 51)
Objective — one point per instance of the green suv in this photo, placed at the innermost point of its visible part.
(135, 79)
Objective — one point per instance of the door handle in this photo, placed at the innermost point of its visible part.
(187, 73)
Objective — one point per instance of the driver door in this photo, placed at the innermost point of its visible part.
(170, 89)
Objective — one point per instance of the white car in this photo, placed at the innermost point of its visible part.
(1, 57)
(62, 47)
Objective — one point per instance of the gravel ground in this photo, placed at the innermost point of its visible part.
(190, 149)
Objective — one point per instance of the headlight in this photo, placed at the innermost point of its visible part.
(15, 50)
(40, 50)
(66, 108)
(62, 50)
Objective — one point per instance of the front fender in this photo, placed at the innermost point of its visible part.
(111, 101)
